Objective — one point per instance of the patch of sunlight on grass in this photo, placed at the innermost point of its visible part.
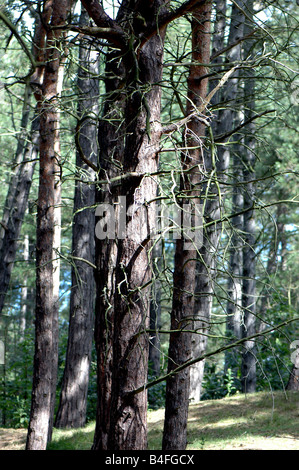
(73, 439)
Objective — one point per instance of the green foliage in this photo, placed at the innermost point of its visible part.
(219, 384)
(156, 394)
(16, 381)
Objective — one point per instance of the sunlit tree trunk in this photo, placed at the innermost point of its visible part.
(24, 293)
(73, 400)
(46, 332)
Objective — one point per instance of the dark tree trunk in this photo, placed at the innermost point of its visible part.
(46, 333)
(129, 143)
(17, 201)
(73, 400)
(110, 161)
(178, 385)
(128, 429)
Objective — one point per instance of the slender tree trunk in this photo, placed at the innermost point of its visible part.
(178, 386)
(248, 368)
(263, 303)
(46, 333)
(24, 293)
(73, 400)
(230, 118)
(19, 157)
(155, 311)
(205, 269)
(15, 212)
(235, 270)
(17, 195)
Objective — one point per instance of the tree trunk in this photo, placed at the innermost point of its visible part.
(17, 201)
(293, 383)
(128, 428)
(248, 368)
(205, 269)
(178, 385)
(46, 332)
(155, 311)
(73, 400)
(129, 143)
(110, 160)
(17, 195)
(24, 293)
(229, 118)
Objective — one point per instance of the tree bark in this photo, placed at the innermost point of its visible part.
(230, 119)
(129, 143)
(17, 201)
(46, 333)
(178, 386)
(155, 311)
(248, 367)
(128, 428)
(73, 399)
(205, 269)
(293, 382)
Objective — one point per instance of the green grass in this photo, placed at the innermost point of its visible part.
(261, 421)
(73, 439)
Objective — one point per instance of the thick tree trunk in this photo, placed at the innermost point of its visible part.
(128, 428)
(129, 143)
(178, 386)
(46, 333)
(110, 160)
(73, 400)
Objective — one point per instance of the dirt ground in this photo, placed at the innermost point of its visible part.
(12, 439)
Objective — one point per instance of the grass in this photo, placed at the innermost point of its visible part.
(260, 421)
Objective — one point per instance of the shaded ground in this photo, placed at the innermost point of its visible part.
(260, 421)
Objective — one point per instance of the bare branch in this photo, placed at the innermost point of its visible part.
(107, 27)
(191, 362)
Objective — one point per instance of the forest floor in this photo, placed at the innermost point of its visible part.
(260, 421)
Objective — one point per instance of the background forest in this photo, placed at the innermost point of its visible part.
(187, 102)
